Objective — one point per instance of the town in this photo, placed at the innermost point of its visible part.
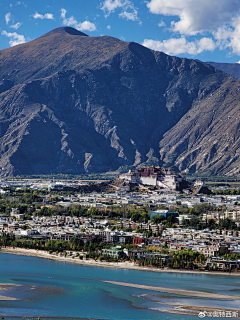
(157, 227)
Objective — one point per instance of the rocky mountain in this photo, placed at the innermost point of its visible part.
(231, 68)
(70, 103)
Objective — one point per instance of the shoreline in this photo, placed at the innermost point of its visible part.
(171, 307)
(93, 263)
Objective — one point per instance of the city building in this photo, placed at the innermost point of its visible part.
(164, 213)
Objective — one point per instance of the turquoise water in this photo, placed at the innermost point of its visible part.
(59, 289)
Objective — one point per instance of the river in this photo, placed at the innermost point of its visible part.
(52, 289)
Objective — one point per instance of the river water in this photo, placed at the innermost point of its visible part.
(51, 289)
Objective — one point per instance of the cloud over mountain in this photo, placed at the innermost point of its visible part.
(220, 19)
(15, 38)
(82, 26)
(180, 45)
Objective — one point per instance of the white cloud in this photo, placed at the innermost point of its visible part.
(228, 36)
(108, 27)
(196, 16)
(81, 26)
(161, 24)
(8, 17)
(16, 25)
(129, 15)
(48, 16)
(63, 13)
(112, 5)
(222, 35)
(175, 46)
(128, 11)
(85, 25)
(15, 38)
(219, 18)
(205, 44)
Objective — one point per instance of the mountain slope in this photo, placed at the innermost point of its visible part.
(70, 103)
(231, 68)
(207, 138)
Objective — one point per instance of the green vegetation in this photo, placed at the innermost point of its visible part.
(169, 222)
(232, 192)
(61, 176)
(182, 259)
(53, 245)
(197, 223)
(186, 259)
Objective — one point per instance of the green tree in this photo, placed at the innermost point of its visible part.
(211, 224)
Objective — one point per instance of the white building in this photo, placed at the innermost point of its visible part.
(155, 176)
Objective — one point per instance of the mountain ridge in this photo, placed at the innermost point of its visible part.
(231, 68)
(71, 103)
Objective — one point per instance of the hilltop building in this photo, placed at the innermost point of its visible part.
(155, 176)
(163, 178)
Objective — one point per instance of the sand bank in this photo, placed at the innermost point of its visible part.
(4, 298)
(4, 287)
(191, 293)
(172, 307)
(195, 310)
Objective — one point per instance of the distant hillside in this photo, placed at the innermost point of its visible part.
(231, 68)
(71, 104)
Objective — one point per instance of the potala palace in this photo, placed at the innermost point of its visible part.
(161, 177)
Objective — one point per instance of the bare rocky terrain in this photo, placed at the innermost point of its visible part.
(231, 68)
(70, 103)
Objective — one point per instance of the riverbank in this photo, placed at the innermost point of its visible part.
(47, 288)
(91, 262)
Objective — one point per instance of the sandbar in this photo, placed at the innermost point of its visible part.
(190, 309)
(175, 291)
(4, 287)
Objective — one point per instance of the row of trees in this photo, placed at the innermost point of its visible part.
(185, 259)
(199, 224)
(226, 192)
(73, 244)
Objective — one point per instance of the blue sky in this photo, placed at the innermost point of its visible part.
(208, 30)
